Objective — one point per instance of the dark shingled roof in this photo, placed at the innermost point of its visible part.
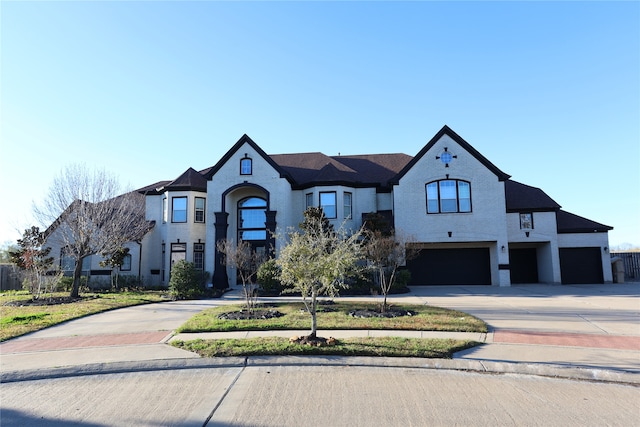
(571, 223)
(308, 169)
(190, 180)
(521, 197)
(153, 188)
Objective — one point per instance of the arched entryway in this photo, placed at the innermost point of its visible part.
(245, 216)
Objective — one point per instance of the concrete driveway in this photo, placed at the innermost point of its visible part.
(116, 369)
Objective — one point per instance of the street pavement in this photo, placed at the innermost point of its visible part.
(115, 368)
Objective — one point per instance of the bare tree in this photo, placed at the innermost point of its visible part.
(317, 260)
(90, 215)
(246, 261)
(386, 252)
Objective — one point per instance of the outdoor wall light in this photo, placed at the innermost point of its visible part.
(526, 233)
(605, 249)
(450, 233)
(502, 248)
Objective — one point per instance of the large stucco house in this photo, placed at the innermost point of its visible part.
(473, 224)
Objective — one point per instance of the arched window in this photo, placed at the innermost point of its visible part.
(246, 166)
(448, 196)
(251, 219)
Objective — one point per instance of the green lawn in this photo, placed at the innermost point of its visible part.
(335, 316)
(381, 347)
(426, 318)
(16, 320)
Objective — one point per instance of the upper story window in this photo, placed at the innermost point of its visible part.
(246, 166)
(199, 205)
(448, 196)
(179, 209)
(347, 200)
(308, 200)
(328, 204)
(526, 221)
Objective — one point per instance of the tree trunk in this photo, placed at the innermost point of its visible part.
(77, 274)
(314, 322)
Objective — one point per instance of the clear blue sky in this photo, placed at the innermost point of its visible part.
(548, 91)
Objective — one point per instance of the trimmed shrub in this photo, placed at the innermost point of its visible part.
(185, 281)
(268, 278)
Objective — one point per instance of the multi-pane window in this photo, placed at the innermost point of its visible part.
(252, 219)
(199, 209)
(198, 256)
(179, 209)
(347, 199)
(328, 204)
(448, 196)
(246, 166)
(126, 263)
(308, 200)
(526, 221)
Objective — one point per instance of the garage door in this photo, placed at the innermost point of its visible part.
(524, 265)
(580, 265)
(469, 266)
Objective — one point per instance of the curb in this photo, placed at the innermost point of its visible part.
(477, 366)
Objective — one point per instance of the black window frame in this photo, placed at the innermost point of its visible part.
(198, 248)
(243, 161)
(196, 210)
(173, 209)
(335, 204)
(521, 221)
(439, 199)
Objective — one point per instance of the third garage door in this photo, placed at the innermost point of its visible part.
(467, 266)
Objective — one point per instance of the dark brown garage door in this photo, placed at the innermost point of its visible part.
(523, 263)
(580, 265)
(469, 266)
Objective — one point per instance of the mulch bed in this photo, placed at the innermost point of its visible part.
(43, 301)
(250, 315)
(392, 312)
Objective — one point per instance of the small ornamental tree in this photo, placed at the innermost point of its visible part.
(316, 260)
(185, 281)
(246, 261)
(385, 253)
(114, 260)
(32, 257)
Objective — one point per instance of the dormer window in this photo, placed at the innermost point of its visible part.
(246, 166)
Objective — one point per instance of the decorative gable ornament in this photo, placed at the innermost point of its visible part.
(446, 157)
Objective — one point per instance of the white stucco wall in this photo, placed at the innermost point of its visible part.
(487, 221)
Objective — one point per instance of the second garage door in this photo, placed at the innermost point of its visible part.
(467, 266)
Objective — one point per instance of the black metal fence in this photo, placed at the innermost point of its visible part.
(631, 262)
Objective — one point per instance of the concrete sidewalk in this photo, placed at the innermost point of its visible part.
(558, 330)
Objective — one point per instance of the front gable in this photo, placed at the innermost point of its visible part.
(444, 135)
(248, 145)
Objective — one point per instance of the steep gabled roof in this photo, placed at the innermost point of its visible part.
(209, 172)
(464, 144)
(521, 197)
(571, 223)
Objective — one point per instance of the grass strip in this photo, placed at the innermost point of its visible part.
(336, 316)
(370, 346)
(21, 319)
